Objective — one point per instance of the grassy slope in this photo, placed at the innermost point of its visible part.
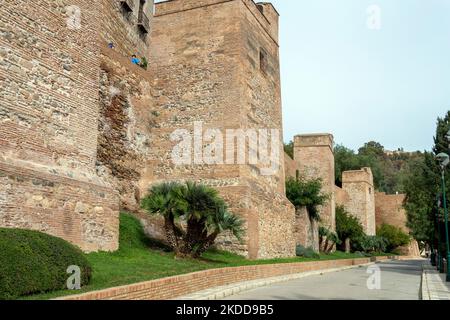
(139, 259)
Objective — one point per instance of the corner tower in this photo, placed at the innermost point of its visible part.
(361, 204)
(314, 156)
(216, 63)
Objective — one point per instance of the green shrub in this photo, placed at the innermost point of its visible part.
(34, 262)
(144, 63)
(301, 251)
(306, 193)
(370, 244)
(395, 236)
(347, 226)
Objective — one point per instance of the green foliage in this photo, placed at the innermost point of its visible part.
(388, 170)
(347, 226)
(144, 63)
(346, 159)
(441, 143)
(394, 236)
(327, 239)
(34, 262)
(204, 213)
(330, 235)
(372, 149)
(289, 149)
(422, 187)
(142, 259)
(306, 193)
(370, 244)
(301, 251)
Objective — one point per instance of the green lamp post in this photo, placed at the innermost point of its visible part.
(444, 161)
(440, 259)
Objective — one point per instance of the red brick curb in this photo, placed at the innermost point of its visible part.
(177, 286)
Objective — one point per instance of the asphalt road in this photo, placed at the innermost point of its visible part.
(396, 280)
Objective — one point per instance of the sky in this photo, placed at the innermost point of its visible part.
(387, 80)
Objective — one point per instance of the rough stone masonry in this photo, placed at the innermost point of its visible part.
(83, 133)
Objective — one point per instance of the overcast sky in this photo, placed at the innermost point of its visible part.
(363, 84)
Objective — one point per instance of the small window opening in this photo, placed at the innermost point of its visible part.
(263, 61)
(126, 7)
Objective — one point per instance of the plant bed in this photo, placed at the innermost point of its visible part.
(140, 259)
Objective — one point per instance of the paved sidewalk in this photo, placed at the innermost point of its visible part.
(434, 286)
(236, 288)
(392, 280)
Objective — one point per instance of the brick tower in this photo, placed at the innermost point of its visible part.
(361, 203)
(216, 63)
(313, 154)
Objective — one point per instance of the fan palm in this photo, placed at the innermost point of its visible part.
(205, 213)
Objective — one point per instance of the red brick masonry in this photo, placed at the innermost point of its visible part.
(169, 288)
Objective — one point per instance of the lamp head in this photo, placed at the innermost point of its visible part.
(444, 159)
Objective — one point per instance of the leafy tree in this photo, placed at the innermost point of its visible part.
(345, 159)
(441, 143)
(388, 170)
(194, 216)
(372, 148)
(347, 226)
(421, 186)
(306, 193)
(394, 236)
(289, 149)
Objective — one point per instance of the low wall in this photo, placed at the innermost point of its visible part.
(169, 288)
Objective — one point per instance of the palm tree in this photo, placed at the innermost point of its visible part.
(204, 213)
(163, 201)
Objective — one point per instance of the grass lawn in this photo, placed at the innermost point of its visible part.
(140, 259)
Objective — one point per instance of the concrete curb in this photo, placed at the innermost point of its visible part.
(229, 290)
(433, 285)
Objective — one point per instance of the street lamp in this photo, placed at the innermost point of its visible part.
(440, 261)
(444, 161)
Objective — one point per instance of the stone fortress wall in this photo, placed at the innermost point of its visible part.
(389, 210)
(48, 124)
(358, 184)
(84, 133)
(211, 74)
(313, 157)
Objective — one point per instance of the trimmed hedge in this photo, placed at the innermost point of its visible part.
(34, 262)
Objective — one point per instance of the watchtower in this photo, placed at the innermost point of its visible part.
(314, 156)
(217, 63)
(359, 186)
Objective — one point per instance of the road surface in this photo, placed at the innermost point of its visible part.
(399, 280)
